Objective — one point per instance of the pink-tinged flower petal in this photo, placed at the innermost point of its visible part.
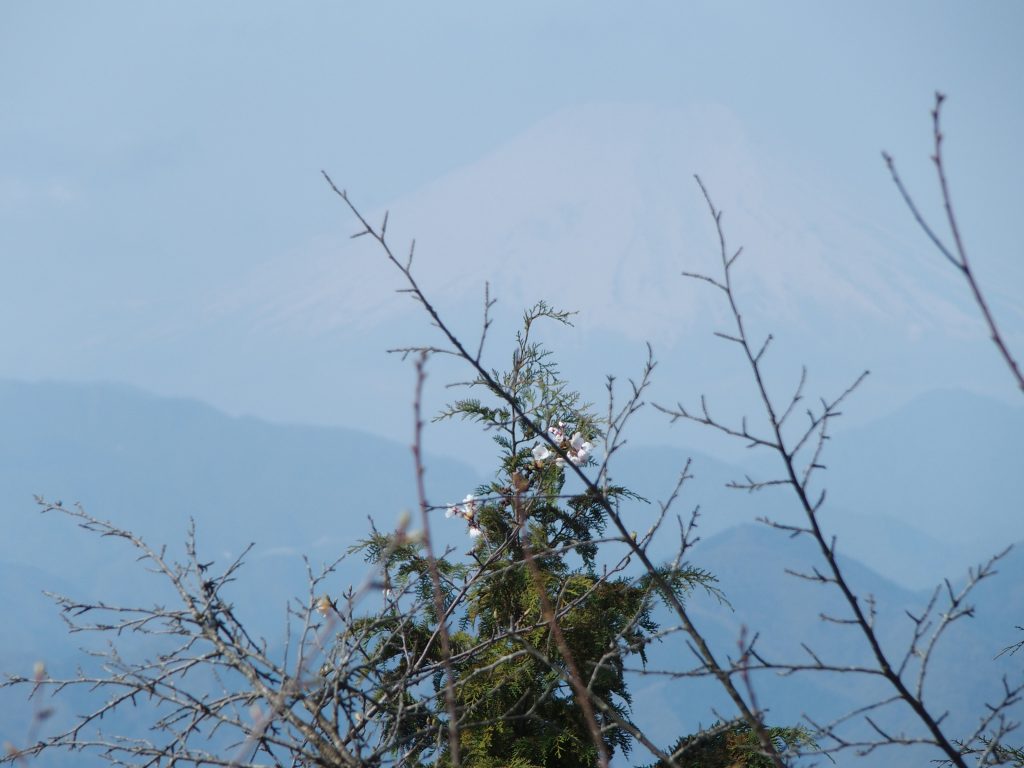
(324, 606)
(540, 453)
(474, 532)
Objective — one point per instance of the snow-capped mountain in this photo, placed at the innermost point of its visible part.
(596, 208)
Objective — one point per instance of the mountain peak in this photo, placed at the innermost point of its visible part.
(594, 208)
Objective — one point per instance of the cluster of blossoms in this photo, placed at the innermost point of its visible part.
(467, 511)
(325, 606)
(576, 448)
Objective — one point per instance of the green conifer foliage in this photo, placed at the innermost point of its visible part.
(532, 544)
(734, 746)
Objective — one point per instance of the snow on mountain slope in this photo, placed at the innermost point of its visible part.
(595, 208)
(592, 209)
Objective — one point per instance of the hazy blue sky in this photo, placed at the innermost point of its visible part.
(159, 180)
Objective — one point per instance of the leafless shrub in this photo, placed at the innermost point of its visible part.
(523, 641)
(799, 448)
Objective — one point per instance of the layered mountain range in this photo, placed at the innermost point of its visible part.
(154, 464)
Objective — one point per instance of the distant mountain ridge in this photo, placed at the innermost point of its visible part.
(154, 462)
(150, 464)
(784, 611)
(592, 208)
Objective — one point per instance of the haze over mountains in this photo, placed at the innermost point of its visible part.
(594, 209)
(150, 464)
(591, 209)
(164, 225)
(612, 184)
(963, 676)
(921, 486)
